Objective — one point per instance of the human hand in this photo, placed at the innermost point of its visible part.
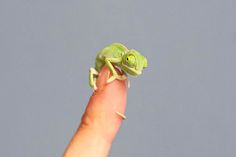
(100, 123)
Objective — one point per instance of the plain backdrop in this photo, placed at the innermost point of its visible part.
(184, 104)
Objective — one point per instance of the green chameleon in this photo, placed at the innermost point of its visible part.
(129, 61)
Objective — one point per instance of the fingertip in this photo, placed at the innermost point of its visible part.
(113, 94)
(106, 101)
(104, 75)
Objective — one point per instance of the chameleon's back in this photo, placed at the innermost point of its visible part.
(114, 50)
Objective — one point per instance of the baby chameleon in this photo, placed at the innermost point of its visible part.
(129, 61)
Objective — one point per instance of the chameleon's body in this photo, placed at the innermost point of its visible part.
(113, 51)
(129, 61)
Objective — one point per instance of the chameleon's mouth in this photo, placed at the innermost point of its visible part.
(131, 71)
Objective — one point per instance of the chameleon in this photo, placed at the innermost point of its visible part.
(129, 61)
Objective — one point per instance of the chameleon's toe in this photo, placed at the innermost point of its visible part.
(95, 87)
(93, 71)
(121, 115)
(122, 77)
(119, 77)
(112, 78)
(92, 78)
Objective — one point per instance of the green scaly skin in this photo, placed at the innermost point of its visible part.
(116, 54)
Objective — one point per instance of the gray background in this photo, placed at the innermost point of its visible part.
(184, 105)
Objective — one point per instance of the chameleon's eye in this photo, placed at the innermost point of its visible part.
(130, 60)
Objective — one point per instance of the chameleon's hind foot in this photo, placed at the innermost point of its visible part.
(119, 77)
(92, 78)
(121, 115)
(94, 85)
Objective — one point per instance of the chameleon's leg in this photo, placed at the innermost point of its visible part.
(121, 115)
(92, 79)
(113, 71)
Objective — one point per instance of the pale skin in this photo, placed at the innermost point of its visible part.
(99, 124)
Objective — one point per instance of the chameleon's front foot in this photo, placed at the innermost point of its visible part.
(119, 77)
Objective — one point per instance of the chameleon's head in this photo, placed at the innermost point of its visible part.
(133, 62)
